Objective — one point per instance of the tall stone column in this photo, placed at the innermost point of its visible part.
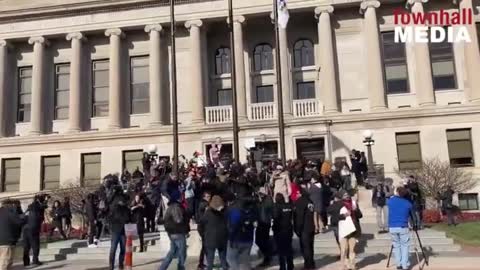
(157, 97)
(4, 103)
(74, 109)
(38, 85)
(376, 86)
(472, 55)
(423, 68)
(115, 90)
(240, 67)
(327, 60)
(195, 76)
(285, 71)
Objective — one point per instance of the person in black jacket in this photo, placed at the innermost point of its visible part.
(68, 216)
(305, 227)
(31, 232)
(283, 231)
(120, 215)
(138, 216)
(91, 213)
(11, 222)
(202, 208)
(214, 222)
(334, 213)
(177, 226)
(58, 214)
(262, 233)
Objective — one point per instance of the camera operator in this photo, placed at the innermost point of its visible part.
(400, 209)
(31, 232)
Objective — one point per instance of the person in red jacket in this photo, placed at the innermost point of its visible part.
(295, 192)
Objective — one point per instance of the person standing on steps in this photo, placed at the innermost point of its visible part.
(202, 208)
(381, 193)
(305, 227)
(138, 215)
(334, 212)
(177, 226)
(283, 232)
(262, 232)
(31, 231)
(215, 234)
(349, 230)
(400, 210)
(119, 216)
(11, 222)
(91, 213)
(58, 214)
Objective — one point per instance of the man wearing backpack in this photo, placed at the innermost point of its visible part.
(177, 226)
(241, 218)
(381, 193)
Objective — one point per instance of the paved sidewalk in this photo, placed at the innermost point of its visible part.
(367, 262)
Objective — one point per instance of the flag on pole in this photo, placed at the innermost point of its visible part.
(283, 14)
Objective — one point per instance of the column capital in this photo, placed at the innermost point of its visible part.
(238, 19)
(369, 4)
(4, 43)
(39, 39)
(153, 27)
(76, 35)
(412, 2)
(192, 23)
(114, 32)
(323, 9)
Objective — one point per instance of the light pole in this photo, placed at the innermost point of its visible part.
(368, 142)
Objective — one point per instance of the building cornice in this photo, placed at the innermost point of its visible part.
(339, 118)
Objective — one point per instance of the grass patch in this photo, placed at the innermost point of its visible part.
(464, 233)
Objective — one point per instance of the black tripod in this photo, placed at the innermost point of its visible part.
(415, 229)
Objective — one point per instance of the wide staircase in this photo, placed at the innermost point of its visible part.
(157, 244)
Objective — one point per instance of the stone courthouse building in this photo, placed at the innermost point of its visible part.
(85, 88)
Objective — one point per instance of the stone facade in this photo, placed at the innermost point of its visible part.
(347, 72)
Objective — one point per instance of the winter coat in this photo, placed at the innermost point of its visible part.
(215, 229)
(303, 215)
(10, 226)
(36, 215)
(176, 219)
(282, 220)
(281, 184)
(265, 210)
(91, 211)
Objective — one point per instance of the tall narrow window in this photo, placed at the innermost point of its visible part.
(50, 179)
(262, 57)
(100, 88)
(224, 97)
(24, 94)
(132, 160)
(263, 93)
(222, 61)
(305, 90)
(91, 169)
(11, 175)
(408, 150)
(62, 90)
(394, 65)
(140, 85)
(303, 53)
(443, 66)
(460, 147)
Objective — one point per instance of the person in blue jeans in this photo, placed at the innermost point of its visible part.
(119, 217)
(177, 226)
(400, 209)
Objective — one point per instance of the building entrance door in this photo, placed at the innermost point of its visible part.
(311, 149)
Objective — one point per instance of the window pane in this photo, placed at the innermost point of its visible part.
(140, 74)
(62, 98)
(408, 138)
(460, 147)
(224, 97)
(305, 90)
(63, 81)
(140, 91)
(132, 160)
(61, 113)
(139, 107)
(140, 61)
(101, 94)
(263, 94)
(443, 67)
(24, 89)
(100, 78)
(101, 64)
(51, 161)
(25, 99)
(91, 169)
(468, 201)
(26, 85)
(408, 152)
(100, 110)
(463, 134)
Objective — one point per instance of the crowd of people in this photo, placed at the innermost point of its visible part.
(234, 206)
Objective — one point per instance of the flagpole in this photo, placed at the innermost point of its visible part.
(281, 124)
(233, 77)
(173, 68)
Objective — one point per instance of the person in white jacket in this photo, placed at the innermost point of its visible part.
(349, 230)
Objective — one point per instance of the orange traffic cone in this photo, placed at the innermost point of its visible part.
(129, 253)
